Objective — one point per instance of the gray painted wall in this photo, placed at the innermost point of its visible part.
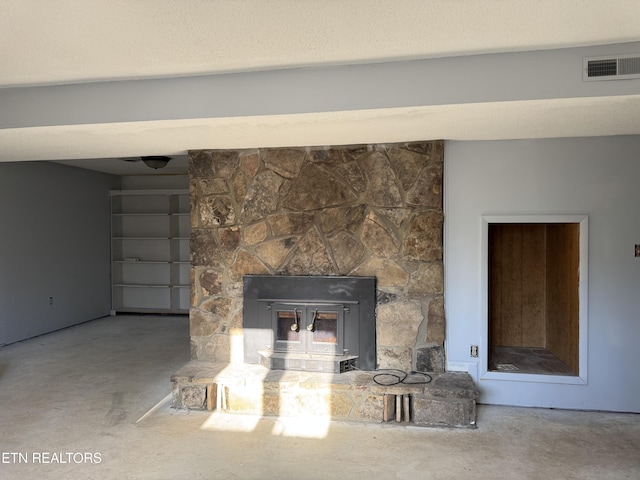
(597, 177)
(54, 242)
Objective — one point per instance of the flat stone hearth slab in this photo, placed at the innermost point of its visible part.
(448, 400)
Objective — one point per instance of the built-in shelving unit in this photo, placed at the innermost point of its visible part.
(150, 251)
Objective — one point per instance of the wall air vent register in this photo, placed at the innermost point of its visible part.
(613, 67)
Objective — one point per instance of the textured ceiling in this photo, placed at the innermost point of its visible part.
(76, 41)
(70, 41)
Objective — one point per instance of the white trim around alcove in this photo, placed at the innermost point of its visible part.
(484, 373)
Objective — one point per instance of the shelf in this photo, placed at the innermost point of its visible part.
(159, 239)
(139, 285)
(143, 214)
(151, 214)
(153, 226)
(146, 193)
(143, 262)
(151, 262)
(142, 238)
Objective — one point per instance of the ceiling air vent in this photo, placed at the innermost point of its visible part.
(618, 67)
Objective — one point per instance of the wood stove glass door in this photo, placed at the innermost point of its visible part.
(287, 327)
(326, 327)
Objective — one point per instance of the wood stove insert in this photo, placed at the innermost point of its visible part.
(315, 323)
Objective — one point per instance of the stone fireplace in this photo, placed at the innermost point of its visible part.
(367, 211)
(372, 210)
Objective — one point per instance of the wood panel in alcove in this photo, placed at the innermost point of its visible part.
(562, 310)
(534, 296)
(517, 265)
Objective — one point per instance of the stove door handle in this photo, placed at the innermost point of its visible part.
(312, 326)
(295, 326)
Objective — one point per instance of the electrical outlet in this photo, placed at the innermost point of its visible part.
(637, 250)
(474, 351)
(50, 300)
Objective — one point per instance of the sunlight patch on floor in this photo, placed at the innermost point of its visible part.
(302, 427)
(227, 422)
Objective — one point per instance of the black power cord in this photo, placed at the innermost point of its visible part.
(398, 377)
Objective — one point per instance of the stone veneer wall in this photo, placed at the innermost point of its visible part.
(373, 210)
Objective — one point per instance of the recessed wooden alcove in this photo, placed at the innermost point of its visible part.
(533, 297)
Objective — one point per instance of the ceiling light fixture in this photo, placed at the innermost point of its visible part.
(156, 161)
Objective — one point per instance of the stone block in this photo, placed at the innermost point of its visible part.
(289, 223)
(209, 281)
(240, 184)
(372, 408)
(211, 186)
(334, 220)
(225, 162)
(246, 264)
(430, 359)
(427, 190)
(220, 306)
(302, 402)
(256, 233)
(423, 241)
(216, 210)
(443, 412)
(432, 149)
(407, 164)
(200, 164)
(204, 248)
(262, 196)
(284, 161)
(396, 216)
(193, 397)
(427, 280)
(341, 405)
(352, 174)
(230, 239)
(436, 321)
(379, 237)
(315, 188)
(250, 163)
(347, 251)
(387, 272)
(394, 357)
(454, 385)
(251, 401)
(273, 252)
(310, 257)
(217, 348)
(397, 323)
(382, 190)
(271, 406)
(203, 323)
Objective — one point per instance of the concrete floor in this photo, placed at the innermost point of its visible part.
(102, 389)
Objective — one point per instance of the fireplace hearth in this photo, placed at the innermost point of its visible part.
(311, 323)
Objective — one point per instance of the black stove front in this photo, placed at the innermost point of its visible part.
(310, 323)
